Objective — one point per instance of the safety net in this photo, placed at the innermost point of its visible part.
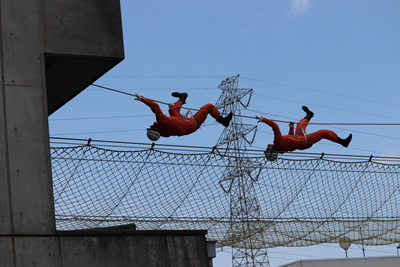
(298, 202)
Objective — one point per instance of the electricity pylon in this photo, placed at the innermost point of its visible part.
(238, 180)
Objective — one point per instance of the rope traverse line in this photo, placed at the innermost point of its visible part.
(253, 117)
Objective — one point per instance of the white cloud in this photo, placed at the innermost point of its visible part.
(299, 6)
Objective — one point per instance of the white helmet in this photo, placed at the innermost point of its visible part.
(153, 135)
(271, 155)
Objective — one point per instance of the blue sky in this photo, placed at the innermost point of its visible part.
(340, 58)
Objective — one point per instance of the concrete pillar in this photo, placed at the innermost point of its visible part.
(26, 195)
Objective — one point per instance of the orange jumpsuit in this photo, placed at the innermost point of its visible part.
(176, 124)
(291, 142)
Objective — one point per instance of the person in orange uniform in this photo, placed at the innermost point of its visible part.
(299, 139)
(176, 124)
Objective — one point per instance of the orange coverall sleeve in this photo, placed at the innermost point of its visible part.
(153, 106)
(291, 130)
(274, 126)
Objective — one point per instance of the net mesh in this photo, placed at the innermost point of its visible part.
(298, 202)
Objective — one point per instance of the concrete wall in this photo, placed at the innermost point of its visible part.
(352, 262)
(25, 176)
(50, 51)
(111, 249)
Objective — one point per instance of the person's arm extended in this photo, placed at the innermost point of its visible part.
(291, 128)
(153, 105)
(273, 125)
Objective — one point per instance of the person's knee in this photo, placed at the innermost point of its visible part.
(208, 106)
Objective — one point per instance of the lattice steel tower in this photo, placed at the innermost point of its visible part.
(238, 180)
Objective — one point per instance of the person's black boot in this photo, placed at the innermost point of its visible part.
(309, 115)
(344, 142)
(182, 96)
(225, 121)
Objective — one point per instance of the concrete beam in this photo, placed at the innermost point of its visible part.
(82, 41)
(143, 248)
(106, 249)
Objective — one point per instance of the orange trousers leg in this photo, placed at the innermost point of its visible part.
(321, 134)
(316, 136)
(201, 115)
(301, 127)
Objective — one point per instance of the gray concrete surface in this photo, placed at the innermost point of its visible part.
(82, 41)
(107, 249)
(50, 51)
(25, 160)
(139, 248)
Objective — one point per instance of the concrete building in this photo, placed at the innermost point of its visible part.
(351, 262)
(51, 50)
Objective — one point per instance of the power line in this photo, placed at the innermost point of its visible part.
(134, 130)
(175, 88)
(205, 125)
(166, 76)
(321, 92)
(256, 80)
(253, 117)
(324, 106)
(101, 118)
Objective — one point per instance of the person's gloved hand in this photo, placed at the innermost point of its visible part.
(260, 118)
(291, 124)
(138, 97)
